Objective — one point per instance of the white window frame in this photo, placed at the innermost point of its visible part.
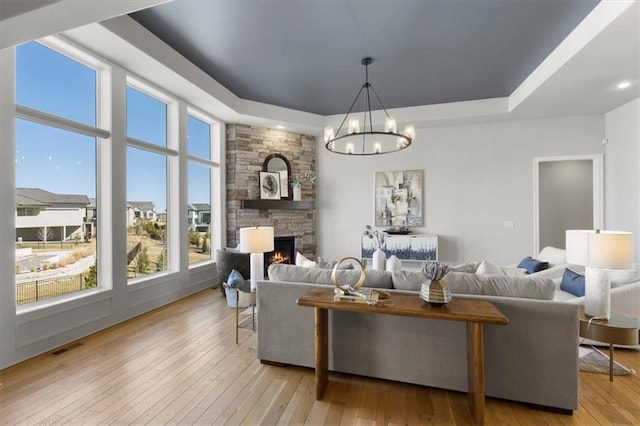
(102, 135)
(171, 152)
(215, 175)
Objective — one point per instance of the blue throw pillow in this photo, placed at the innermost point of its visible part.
(236, 280)
(533, 265)
(572, 283)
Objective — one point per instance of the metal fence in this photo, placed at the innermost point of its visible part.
(32, 291)
(49, 245)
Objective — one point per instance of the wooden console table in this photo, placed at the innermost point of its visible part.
(473, 312)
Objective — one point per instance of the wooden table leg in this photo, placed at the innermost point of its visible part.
(322, 351)
(475, 371)
(611, 362)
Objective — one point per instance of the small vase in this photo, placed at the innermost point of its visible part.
(435, 293)
(297, 192)
(379, 259)
(394, 264)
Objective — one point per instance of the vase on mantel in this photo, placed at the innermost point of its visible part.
(379, 259)
(297, 192)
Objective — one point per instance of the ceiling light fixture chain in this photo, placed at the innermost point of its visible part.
(379, 142)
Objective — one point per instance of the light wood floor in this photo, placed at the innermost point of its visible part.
(180, 365)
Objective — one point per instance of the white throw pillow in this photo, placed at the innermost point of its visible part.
(303, 261)
(489, 268)
(553, 255)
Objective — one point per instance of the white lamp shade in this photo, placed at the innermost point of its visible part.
(576, 245)
(611, 250)
(603, 249)
(257, 239)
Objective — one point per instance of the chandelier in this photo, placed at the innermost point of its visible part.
(367, 142)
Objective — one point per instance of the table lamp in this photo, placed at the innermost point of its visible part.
(256, 240)
(599, 251)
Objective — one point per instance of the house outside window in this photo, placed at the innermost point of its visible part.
(148, 158)
(200, 170)
(56, 159)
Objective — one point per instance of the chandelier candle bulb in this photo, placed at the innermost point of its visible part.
(354, 126)
(377, 147)
(410, 131)
(350, 148)
(390, 125)
(328, 134)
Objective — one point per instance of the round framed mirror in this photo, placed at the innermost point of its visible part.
(278, 163)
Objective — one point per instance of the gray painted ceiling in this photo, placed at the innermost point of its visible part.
(305, 55)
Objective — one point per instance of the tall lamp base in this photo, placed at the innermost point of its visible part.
(597, 293)
(257, 269)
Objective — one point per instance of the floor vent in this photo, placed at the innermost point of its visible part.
(66, 349)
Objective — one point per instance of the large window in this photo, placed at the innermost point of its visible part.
(200, 164)
(147, 182)
(56, 172)
(64, 175)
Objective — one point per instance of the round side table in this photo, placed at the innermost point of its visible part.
(620, 329)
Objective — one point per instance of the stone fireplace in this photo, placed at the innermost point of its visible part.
(247, 147)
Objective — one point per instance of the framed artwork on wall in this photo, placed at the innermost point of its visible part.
(269, 185)
(398, 198)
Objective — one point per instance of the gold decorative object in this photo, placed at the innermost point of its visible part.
(347, 289)
(435, 292)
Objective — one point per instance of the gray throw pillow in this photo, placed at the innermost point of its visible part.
(408, 280)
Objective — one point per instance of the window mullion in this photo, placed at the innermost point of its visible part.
(47, 119)
(202, 161)
(137, 143)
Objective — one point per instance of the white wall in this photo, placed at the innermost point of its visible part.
(621, 175)
(476, 178)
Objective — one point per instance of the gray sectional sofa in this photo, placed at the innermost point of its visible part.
(533, 360)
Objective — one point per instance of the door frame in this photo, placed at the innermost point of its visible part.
(598, 191)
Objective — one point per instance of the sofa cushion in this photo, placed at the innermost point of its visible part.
(620, 277)
(326, 263)
(533, 265)
(470, 267)
(572, 282)
(293, 273)
(501, 285)
(492, 285)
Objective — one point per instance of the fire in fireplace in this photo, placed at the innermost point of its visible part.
(284, 252)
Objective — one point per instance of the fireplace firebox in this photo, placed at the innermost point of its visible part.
(284, 251)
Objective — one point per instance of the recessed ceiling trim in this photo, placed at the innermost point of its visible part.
(44, 20)
(599, 19)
